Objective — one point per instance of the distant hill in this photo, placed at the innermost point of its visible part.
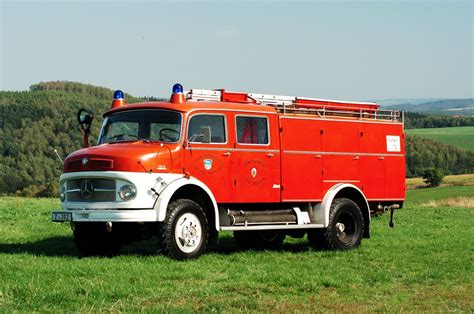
(403, 101)
(463, 107)
(35, 122)
(460, 137)
(423, 153)
(415, 120)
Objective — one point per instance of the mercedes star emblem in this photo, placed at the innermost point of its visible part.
(87, 189)
(85, 160)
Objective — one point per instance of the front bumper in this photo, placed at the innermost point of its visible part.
(83, 215)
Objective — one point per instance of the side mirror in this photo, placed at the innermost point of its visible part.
(85, 117)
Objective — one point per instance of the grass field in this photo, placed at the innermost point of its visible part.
(423, 264)
(461, 137)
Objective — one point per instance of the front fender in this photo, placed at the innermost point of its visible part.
(165, 195)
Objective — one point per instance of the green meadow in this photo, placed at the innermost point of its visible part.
(423, 264)
(461, 137)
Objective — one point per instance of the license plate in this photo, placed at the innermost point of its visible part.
(62, 217)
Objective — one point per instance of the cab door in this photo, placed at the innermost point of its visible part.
(257, 158)
(208, 153)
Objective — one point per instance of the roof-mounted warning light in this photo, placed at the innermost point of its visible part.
(177, 96)
(177, 88)
(119, 99)
(118, 94)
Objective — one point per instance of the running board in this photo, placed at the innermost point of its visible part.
(271, 227)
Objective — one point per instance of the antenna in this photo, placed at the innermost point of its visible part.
(59, 157)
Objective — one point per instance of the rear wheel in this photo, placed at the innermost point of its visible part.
(345, 229)
(92, 239)
(260, 240)
(185, 230)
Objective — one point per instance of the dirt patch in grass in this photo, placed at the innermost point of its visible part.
(457, 180)
(438, 299)
(464, 202)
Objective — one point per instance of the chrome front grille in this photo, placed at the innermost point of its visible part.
(90, 190)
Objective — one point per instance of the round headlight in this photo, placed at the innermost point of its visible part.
(62, 193)
(127, 192)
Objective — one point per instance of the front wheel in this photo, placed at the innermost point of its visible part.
(345, 229)
(185, 230)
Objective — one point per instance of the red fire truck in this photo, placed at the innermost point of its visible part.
(262, 166)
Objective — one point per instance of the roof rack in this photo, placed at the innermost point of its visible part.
(300, 105)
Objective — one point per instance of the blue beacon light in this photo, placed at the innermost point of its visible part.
(118, 99)
(118, 94)
(177, 96)
(177, 88)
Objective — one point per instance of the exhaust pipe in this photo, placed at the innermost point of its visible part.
(261, 217)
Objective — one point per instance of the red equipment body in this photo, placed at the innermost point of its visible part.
(241, 150)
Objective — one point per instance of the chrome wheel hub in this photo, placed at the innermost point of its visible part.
(340, 228)
(188, 233)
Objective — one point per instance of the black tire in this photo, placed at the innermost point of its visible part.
(194, 236)
(92, 239)
(260, 240)
(345, 229)
(160, 240)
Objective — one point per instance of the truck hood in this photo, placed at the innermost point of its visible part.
(125, 156)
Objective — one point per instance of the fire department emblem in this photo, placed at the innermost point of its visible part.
(253, 172)
(207, 164)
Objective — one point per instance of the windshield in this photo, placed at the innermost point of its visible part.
(144, 125)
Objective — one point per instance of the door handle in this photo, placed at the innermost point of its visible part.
(381, 158)
(270, 155)
(226, 154)
(356, 158)
(317, 156)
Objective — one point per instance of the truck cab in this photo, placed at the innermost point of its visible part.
(210, 161)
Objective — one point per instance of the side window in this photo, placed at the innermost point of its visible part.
(205, 128)
(252, 130)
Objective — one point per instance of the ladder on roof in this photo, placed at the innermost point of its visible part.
(301, 105)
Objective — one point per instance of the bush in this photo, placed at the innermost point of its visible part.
(433, 177)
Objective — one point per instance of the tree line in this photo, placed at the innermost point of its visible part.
(423, 154)
(34, 123)
(414, 120)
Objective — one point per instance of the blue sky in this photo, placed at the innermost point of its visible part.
(340, 50)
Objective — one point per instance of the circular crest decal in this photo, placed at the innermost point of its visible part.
(207, 164)
(253, 172)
